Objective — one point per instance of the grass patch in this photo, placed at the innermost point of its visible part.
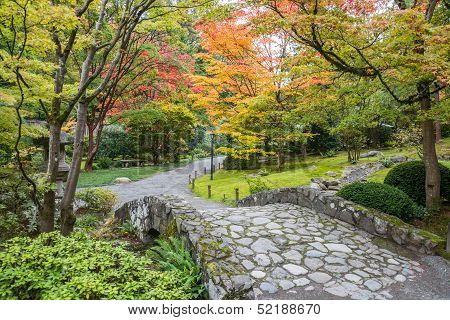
(104, 177)
(294, 174)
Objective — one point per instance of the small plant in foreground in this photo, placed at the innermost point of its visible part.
(77, 267)
(171, 255)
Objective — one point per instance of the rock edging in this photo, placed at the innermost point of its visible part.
(158, 213)
(371, 221)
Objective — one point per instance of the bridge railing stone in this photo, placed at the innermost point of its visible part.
(157, 213)
(369, 220)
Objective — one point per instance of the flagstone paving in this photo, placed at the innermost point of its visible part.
(292, 252)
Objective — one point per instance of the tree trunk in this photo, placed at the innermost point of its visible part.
(67, 216)
(91, 152)
(432, 173)
(47, 214)
(280, 159)
(438, 132)
(304, 151)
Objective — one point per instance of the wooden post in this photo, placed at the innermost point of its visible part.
(189, 179)
(209, 191)
(193, 184)
(224, 197)
(204, 170)
(236, 190)
(195, 174)
(219, 165)
(214, 168)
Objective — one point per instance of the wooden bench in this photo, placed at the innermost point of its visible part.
(129, 163)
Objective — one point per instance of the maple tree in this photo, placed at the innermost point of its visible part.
(247, 87)
(149, 71)
(397, 44)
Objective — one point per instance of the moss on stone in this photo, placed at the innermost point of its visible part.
(431, 236)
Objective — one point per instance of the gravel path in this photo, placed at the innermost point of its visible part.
(170, 182)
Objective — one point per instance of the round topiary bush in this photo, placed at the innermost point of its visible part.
(383, 197)
(410, 178)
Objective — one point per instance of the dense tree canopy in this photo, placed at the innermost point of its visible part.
(271, 77)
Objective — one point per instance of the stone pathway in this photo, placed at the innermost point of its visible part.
(172, 182)
(292, 252)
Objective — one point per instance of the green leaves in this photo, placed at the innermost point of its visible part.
(170, 255)
(77, 267)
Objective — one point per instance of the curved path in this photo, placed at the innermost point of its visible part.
(172, 182)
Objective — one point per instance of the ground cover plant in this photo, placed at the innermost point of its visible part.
(77, 267)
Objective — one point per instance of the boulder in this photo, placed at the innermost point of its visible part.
(317, 180)
(332, 183)
(122, 180)
(396, 159)
(331, 174)
(372, 153)
(315, 185)
(312, 168)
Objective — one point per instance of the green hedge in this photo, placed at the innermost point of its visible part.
(383, 197)
(230, 163)
(55, 267)
(410, 178)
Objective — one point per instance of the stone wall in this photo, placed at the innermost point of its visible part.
(155, 214)
(372, 221)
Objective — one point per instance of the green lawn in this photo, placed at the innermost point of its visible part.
(224, 183)
(103, 177)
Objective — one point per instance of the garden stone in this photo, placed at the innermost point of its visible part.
(301, 282)
(268, 287)
(258, 274)
(313, 263)
(373, 153)
(122, 180)
(294, 269)
(286, 284)
(331, 174)
(319, 277)
(352, 277)
(400, 278)
(248, 264)
(262, 260)
(264, 245)
(279, 273)
(337, 290)
(338, 247)
(372, 285)
(315, 254)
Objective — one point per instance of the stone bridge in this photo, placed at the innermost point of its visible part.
(298, 243)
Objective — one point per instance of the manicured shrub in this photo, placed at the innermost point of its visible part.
(383, 197)
(97, 200)
(104, 162)
(257, 184)
(77, 267)
(410, 178)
